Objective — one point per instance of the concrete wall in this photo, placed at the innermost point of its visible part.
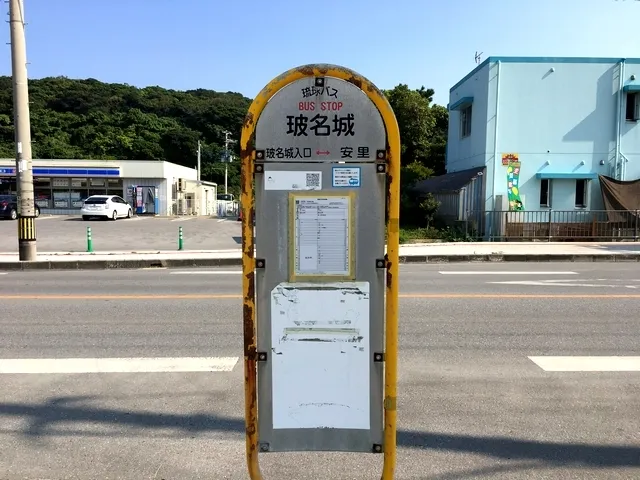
(173, 171)
(162, 175)
(469, 152)
(206, 199)
(560, 118)
(630, 131)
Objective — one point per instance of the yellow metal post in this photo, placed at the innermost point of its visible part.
(391, 316)
(247, 143)
(249, 303)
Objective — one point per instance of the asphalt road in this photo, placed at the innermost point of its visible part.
(471, 404)
(69, 234)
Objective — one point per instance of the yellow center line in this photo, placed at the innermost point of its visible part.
(214, 296)
(498, 296)
(121, 297)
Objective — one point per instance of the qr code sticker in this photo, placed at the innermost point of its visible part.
(313, 179)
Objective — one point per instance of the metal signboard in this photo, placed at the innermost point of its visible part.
(320, 119)
(320, 146)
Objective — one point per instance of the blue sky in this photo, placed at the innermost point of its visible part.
(239, 45)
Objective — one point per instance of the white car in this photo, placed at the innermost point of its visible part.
(109, 206)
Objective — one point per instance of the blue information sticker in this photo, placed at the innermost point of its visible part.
(346, 177)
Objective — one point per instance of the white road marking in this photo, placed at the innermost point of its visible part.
(496, 272)
(182, 219)
(209, 272)
(117, 365)
(555, 283)
(3, 273)
(587, 364)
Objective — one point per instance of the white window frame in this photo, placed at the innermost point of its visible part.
(466, 114)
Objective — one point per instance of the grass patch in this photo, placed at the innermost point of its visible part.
(408, 235)
(446, 234)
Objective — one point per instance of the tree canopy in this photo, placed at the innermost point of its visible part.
(423, 134)
(95, 120)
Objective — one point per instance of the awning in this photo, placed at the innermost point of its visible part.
(631, 88)
(567, 176)
(463, 102)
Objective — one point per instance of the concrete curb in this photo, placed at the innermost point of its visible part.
(122, 263)
(551, 257)
(235, 262)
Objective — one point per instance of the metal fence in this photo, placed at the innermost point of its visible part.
(554, 225)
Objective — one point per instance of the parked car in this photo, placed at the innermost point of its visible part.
(106, 206)
(9, 207)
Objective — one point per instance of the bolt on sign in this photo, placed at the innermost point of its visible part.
(320, 146)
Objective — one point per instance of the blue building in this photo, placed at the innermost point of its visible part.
(540, 133)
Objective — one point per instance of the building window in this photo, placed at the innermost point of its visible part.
(78, 192)
(581, 193)
(114, 186)
(465, 122)
(61, 196)
(633, 107)
(97, 186)
(7, 186)
(42, 192)
(545, 192)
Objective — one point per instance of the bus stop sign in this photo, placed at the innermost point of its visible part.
(320, 146)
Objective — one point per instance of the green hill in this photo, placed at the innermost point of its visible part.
(91, 119)
(95, 120)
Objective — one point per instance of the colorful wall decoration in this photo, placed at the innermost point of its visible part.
(512, 162)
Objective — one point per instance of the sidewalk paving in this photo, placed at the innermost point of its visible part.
(412, 253)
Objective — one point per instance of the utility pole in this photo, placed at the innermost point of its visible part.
(227, 157)
(22, 125)
(199, 165)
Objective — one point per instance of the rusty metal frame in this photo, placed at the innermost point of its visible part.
(247, 152)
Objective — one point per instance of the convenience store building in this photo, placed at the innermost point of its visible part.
(152, 187)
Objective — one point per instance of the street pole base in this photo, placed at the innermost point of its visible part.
(27, 250)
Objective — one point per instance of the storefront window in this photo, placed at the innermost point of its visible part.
(97, 186)
(65, 193)
(42, 192)
(61, 194)
(114, 186)
(78, 192)
(7, 185)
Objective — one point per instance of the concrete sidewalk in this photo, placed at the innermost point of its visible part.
(414, 253)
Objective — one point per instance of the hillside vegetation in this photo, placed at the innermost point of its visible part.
(95, 120)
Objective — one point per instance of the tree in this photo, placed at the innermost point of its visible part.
(423, 126)
(428, 208)
(414, 120)
(423, 133)
(411, 211)
(438, 140)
